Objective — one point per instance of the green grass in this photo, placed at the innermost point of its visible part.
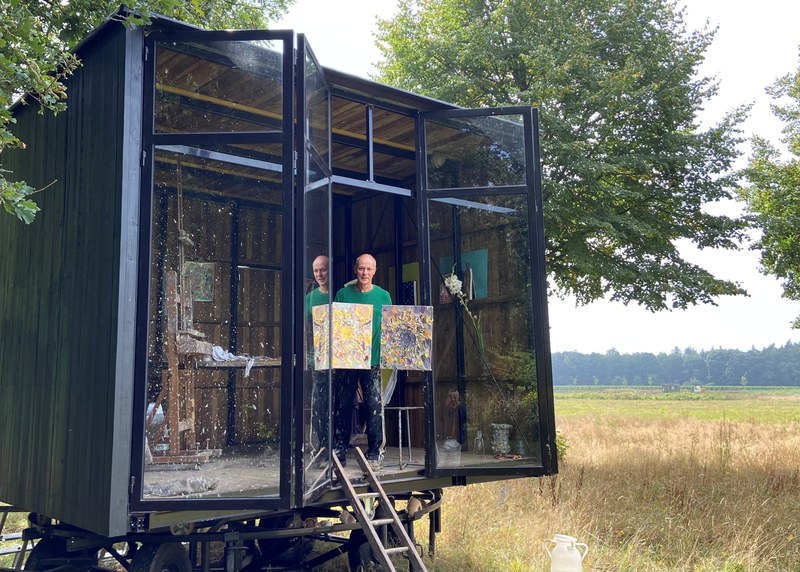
(758, 407)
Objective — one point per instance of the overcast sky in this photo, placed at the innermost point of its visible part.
(755, 44)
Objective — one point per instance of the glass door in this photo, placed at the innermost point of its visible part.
(491, 381)
(215, 352)
(313, 277)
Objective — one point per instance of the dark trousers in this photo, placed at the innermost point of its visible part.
(320, 398)
(344, 393)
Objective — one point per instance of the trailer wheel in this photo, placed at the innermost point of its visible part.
(50, 553)
(359, 553)
(361, 558)
(167, 557)
(289, 551)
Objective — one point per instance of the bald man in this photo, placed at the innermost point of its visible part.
(319, 390)
(363, 291)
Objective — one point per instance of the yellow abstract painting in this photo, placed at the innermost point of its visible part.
(352, 335)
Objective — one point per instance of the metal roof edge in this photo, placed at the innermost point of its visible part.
(377, 90)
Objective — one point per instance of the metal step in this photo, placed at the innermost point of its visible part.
(407, 547)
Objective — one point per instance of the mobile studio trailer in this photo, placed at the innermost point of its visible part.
(154, 380)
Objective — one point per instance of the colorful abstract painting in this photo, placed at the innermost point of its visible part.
(352, 335)
(407, 337)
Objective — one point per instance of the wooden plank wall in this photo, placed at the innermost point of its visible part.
(210, 225)
(505, 316)
(259, 324)
(59, 284)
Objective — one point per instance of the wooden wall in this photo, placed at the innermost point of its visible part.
(490, 391)
(64, 407)
(255, 323)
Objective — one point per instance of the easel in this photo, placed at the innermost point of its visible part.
(178, 388)
(181, 340)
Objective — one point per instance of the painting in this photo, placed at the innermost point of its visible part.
(407, 337)
(201, 278)
(352, 335)
(477, 262)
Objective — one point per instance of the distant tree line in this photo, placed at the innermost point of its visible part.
(769, 366)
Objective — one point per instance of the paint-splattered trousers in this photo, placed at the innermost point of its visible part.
(320, 398)
(345, 385)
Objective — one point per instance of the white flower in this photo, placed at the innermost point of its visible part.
(453, 284)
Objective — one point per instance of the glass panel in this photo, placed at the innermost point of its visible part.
(215, 327)
(245, 172)
(350, 160)
(393, 140)
(317, 427)
(475, 152)
(317, 381)
(393, 130)
(317, 110)
(394, 146)
(218, 86)
(395, 170)
(485, 388)
(349, 130)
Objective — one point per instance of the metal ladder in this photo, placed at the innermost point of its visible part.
(19, 551)
(369, 524)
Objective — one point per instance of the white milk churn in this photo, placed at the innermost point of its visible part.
(566, 556)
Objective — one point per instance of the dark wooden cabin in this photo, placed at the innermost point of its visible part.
(191, 182)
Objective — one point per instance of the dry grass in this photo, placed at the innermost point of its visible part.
(671, 494)
(654, 489)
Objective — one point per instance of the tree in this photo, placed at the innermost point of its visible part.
(627, 171)
(773, 194)
(36, 37)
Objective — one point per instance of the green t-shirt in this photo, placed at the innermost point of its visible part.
(315, 298)
(377, 297)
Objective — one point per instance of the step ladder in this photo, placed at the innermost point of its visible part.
(369, 524)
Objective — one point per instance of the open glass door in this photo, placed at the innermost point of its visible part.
(313, 277)
(493, 410)
(215, 353)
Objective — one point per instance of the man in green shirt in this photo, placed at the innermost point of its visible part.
(319, 390)
(363, 291)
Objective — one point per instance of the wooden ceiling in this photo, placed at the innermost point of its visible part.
(205, 90)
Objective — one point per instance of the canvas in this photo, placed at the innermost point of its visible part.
(352, 335)
(407, 337)
(478, 262)
(201, 278)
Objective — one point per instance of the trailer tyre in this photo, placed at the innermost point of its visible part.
(49, 549)
(361, 558)
(168, 557)
(286, 552)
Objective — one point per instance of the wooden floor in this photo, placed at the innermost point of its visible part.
(255, 474)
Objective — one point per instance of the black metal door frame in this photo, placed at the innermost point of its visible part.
(151, 140)
(532, 189)
(304, 147)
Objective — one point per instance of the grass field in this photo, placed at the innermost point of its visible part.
(651, 482)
